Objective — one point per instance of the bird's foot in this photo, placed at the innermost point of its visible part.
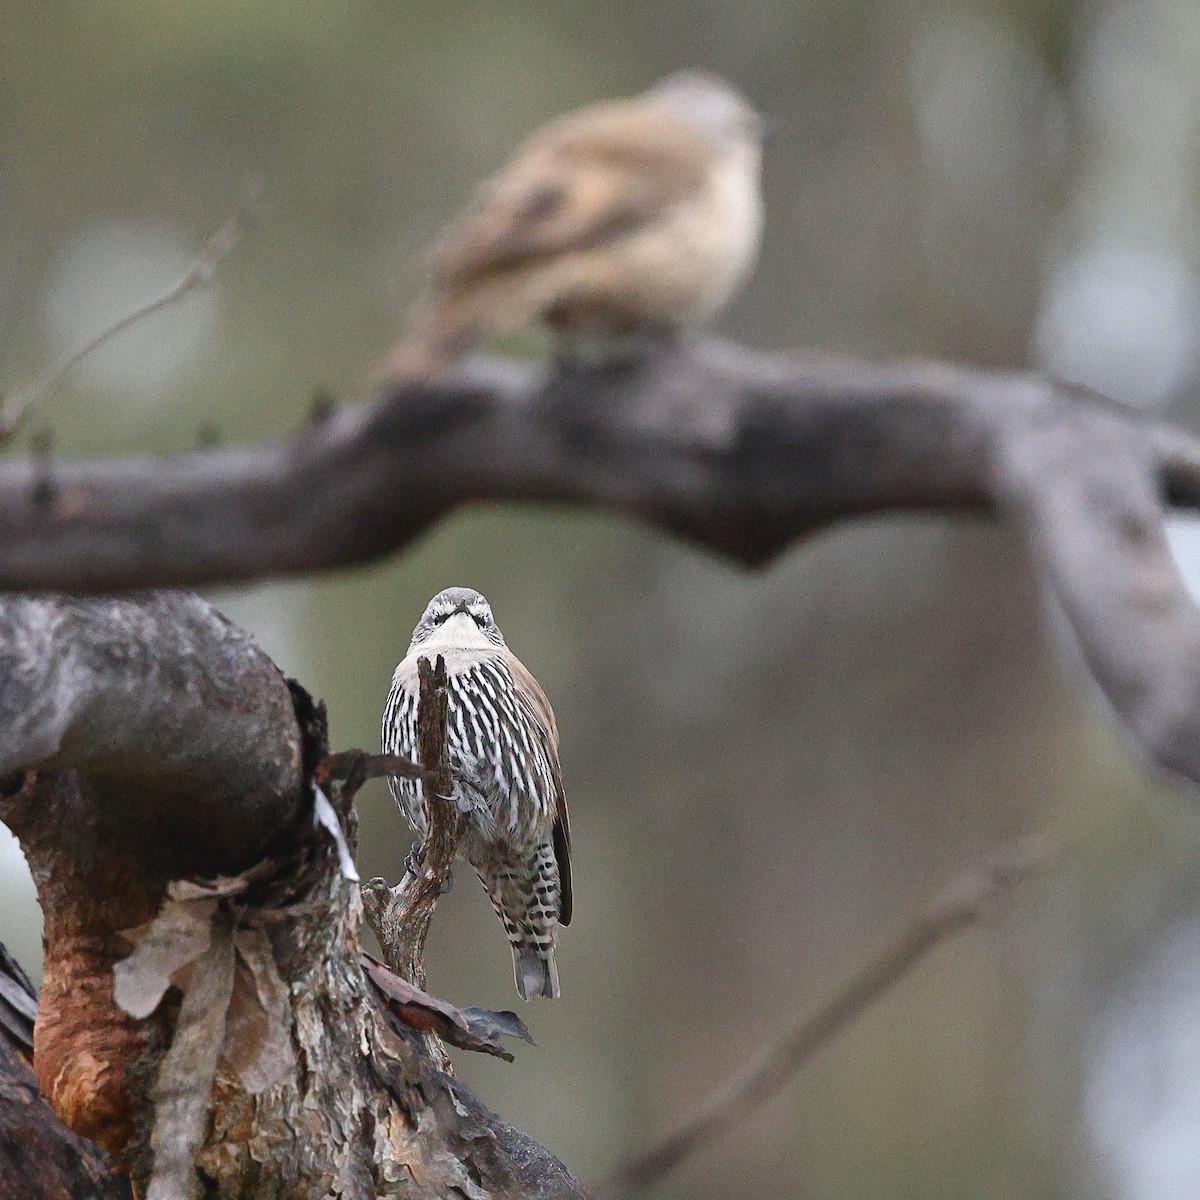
(412, 860)
(414, 864)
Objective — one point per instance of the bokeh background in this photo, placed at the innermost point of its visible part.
(764, 770)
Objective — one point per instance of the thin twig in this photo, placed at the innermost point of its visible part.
(352, 768)
(969, 898)
(202, 268)
(401, 916)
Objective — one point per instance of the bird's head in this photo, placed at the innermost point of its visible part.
(457, 617)
(714, 108)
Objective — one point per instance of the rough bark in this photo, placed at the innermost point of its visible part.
(738, 451)
(40, 1158)
(167, 744)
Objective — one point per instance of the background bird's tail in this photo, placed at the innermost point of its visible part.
(433, 339)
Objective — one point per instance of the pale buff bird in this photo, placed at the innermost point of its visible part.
(620, 223)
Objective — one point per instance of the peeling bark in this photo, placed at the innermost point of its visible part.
(40, 1158)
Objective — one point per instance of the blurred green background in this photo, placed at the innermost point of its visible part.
(764, 770)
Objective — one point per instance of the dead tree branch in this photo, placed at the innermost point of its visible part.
(400, 916)
(147, 739)
(738, 451)
(963, 903)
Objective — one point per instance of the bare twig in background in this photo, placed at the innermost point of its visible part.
(14, 409)
(400, 916)
(736, 450)
(965, 901)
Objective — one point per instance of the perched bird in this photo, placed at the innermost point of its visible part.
(503, 749)
(621, 222)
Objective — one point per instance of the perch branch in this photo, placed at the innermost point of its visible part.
(962, 904)
(738, 451)
(401, 916)
(199, 272)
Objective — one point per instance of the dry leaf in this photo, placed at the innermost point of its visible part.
(257, 1046)
(178, 936)
(467, 1028)
(245, 1023)
(213, 889)
(491, 1024)
(183, 1091)
(235, 1006)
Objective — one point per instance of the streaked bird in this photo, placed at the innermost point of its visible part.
(613, 225)
(503, 747)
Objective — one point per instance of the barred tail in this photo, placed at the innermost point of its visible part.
(535, 975)
(525, 894)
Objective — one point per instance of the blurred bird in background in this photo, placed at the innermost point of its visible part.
(613, 227)
(503, 748)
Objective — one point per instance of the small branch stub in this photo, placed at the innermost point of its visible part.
(401, 916)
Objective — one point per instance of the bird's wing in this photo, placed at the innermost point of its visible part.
(562, 855)
(577, 183)
(529, 693)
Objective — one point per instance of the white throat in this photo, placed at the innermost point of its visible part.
(458, 632)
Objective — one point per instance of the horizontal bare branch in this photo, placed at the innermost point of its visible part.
(738, 451)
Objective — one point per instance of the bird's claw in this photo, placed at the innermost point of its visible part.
(414, 864)
(412, 860)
